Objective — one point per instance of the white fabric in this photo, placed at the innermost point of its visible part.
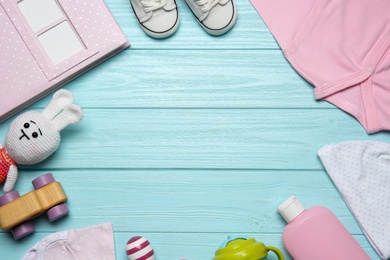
(94, 242)
(361, 172)
(12, 176)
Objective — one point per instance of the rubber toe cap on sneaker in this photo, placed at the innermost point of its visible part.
(220, 20)
(162, 25)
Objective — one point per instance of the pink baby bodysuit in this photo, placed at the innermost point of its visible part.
(341, 47)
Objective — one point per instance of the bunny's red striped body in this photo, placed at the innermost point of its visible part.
(5, 163)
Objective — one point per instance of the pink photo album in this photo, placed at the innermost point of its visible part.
(46, 43)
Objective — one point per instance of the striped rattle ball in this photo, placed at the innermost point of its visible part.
(139, 248)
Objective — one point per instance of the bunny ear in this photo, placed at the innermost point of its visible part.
(61, 99)
(69, 115)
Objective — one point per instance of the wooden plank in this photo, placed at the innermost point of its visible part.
(211, 201)
(194, 78)
(202, 138)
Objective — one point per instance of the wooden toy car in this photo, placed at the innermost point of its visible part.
(16, 212)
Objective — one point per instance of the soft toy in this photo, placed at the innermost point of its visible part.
(33, 136)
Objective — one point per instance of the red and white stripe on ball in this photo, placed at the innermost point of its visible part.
(139, 248)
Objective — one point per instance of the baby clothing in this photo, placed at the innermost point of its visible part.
(341, 47)
(96, 242)
(361, 172)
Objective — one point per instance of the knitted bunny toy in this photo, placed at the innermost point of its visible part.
(33, 136)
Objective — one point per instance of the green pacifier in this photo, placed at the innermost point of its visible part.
(245, 249)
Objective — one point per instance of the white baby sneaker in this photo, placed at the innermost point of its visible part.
(215, 16)
(158, 18)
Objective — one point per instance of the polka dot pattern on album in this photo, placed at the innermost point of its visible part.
(27, 70)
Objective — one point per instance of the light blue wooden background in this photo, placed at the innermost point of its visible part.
(190, 139)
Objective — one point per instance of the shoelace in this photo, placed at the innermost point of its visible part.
(206, 5)
(151, 5)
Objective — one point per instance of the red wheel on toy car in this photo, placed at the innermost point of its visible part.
(23, 229)
(42, 180)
